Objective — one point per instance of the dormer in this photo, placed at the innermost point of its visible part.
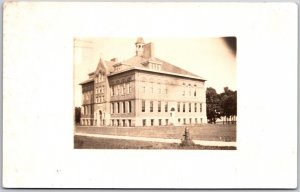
(153, 65)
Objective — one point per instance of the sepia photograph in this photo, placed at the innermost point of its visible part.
(150, 95)
(167, 93)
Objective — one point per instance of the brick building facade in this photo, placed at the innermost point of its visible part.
(142, 91)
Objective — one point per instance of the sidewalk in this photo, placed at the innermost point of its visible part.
(197, 142)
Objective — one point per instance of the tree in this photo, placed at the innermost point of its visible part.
(229, 104)
(77, 115)
(223, 104)
(213, 108)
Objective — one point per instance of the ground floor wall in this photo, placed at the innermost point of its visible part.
(123, 114)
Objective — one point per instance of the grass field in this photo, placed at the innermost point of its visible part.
(209, 132)
(82, 142)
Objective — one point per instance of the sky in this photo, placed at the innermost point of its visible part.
(211, 58)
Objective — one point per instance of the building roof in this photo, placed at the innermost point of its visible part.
(86, 81)
(137, 62)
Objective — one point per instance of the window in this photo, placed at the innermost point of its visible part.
(178, 107)
(183, 108)
(183, 91)
(112, 108)
(119, 90)
(195, 107)
(143, 87)
(123, 89)
(151, 88)
(190, 107)
(118, 108)
(129, 123)
(159, 106)
(159, 122)
(112, 91)
(179, 120)
(200, 120)
(190, 120)
(159, 89)
(116, 90)
(124, 124)
(112, 122)
(128, 88)
(151, 106)
(166, 107)
(196, 121)
(123, 107)
(167, 121)
(144, 122)
(184, 121)
(129, 106)
(200, 107)
(143, 105)
(118, 122)
(190, 91)
(152, 122)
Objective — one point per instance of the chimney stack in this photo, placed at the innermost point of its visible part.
(148, 50)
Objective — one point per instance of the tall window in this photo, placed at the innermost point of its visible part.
(143, 105)
(195, 107)
(200, 107)
(128, 88)
(159, 122)
(178, 106)
(123, 89)
(118, 108)
(183, 107)
(159, 89)
(190, 107)
(115, 90)
(151, 88)
(159, 106)
(166, 107)
(144, 122)
(119, 90)
(123, 107)
(151, 106)
(112, 91)
(152, 122)
(112, 108)
(143, 87)
(129, 106)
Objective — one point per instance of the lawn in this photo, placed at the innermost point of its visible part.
(82, 142)
(209, 132)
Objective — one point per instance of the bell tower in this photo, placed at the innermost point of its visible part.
(139, 44)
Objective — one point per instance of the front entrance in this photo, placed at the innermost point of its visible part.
(172, 116)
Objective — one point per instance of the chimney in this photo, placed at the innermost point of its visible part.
(114, 60)
(148, 50)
